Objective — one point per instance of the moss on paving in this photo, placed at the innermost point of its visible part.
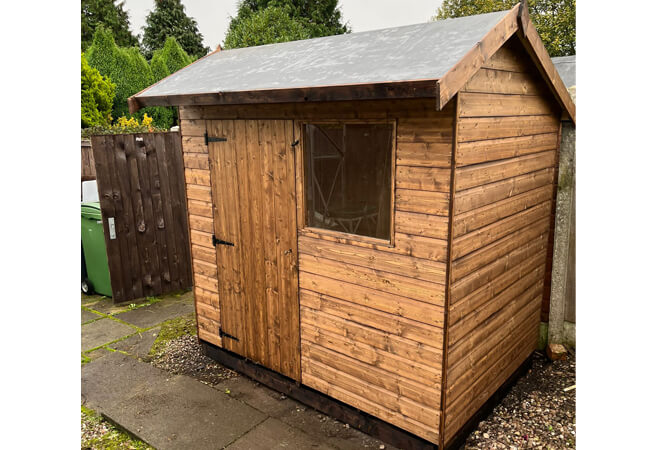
(172, 329)
(106, 436)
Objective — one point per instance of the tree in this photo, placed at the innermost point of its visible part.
(266, 26)
(167, 60)
(111, 16)
(287, 20)
(554, 19)
(169, 19)
(97, 96)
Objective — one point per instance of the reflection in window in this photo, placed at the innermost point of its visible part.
(348, 175)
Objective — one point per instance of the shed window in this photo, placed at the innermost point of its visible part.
(348, 175)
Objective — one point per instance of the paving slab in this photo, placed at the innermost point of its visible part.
(166, 411)
(137, 345)
(151, 315)
(106, 305)
(102, 331)
(87, 316)
(257, 395)
(272, 434)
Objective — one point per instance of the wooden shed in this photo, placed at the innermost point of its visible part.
(371, 213)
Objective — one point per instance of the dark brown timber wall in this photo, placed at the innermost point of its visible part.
(140, 183)
(87, 161)
(505, 158)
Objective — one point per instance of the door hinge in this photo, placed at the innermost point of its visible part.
(215, 241)
(208, 139)
(295, 143)
(221, 333)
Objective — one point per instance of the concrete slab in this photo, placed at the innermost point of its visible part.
(151, 315)
(168, 412)
(137, 345)
(102, 331)
(272, 434)
(87, 316)
(106, 306)
(258, 396)
(99, 353)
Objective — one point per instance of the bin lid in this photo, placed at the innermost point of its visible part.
(91, 210)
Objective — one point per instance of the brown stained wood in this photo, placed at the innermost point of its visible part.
(485, 128)
(511, 57)
(204, 268)
(382, 359)
(504, 266)
(371, 91)
(422, 291)
(476, 104)
(489, 150)
(206, 283)
(208, 336)
(421, 247)
(423, 178)
(200, 223)
(389, 323)
(393, 344)
(424, 154)
(208, 311)
(200, 208)
(198, 176)
(488, 194)
(474, 261)
(378, 395)
(453, 81)
(372, 259)
(196, 161)
(478, 218)
(208, 297)
(192, 127)
(397, 386)
(200, 238)
(491, 172)
(195, 192)
(436, 130)
(425, 202)
(502, 82)
(363, 296)
(189, 142)
(465, 244)
(418, 224)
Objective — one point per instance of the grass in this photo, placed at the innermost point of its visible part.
(97, 433)
(171, 330)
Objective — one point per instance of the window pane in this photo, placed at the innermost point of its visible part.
(348, 174)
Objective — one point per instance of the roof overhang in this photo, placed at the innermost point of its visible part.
(516, 22)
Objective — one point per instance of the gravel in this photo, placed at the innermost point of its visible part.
(183, 356)
(536, 412)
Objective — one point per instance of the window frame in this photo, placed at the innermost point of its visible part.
(340, 236)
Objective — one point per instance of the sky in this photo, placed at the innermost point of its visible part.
(213, 16)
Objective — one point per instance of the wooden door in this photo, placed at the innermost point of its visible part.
(253, 182)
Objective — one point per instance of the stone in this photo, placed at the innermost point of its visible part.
(87, 316)
(152, 315)
(137, 345)
(99, 332)
(272, 434)
(556, 352)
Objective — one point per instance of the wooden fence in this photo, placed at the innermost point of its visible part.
(87, 161)
(140, 180)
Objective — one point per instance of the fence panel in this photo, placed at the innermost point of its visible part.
(87, 162)
(141, 184)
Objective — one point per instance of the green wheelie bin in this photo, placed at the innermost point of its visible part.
(94, 266)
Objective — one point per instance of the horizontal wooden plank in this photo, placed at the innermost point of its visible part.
(204, 296)
(423, 178)
(488, 194)
(438, 130)
(198, 176)
(389, 323)
(478, 218)
(376, 394)
(509, 58)
(495, 105)
(503, 266)
(421, 247)
(206, 283)
(371, 408)
(474, 261)
(424, 154)
(371, 298)
(373, 259)
(189, 142)
(207, 254)
(209, 337)
(200, 208)
(504, 82)
(425, 202)
(378, 358)
(208, 325)
(484, 128)
(196, 192)
(201, 238)
(200, 223)
(192, 127)
(397, 385)
(476, 152)
(205, 268)
(196, 161)
(377, 339)
(486, 173)
(465, 244)
(390, 283)
(421, 224)
(206, 310)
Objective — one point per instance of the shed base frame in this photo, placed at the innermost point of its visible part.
(367, 423)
